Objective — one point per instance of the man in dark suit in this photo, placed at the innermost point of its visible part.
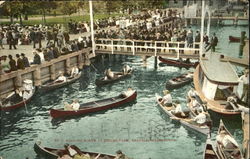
(25, 60)
(12, 63)
(39, 37)
(10, 39)
(33, 37)
(37, 58)
(20, 63)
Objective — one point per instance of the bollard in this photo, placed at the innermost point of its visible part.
(156, 62)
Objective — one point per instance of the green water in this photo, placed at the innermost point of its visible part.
(139, 129)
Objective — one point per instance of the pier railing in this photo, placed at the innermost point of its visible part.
(147, 48)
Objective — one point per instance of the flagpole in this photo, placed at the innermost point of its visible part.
(92, 26)
(202, 26)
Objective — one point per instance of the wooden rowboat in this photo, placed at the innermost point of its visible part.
(96, 106)
(222, 151)
(234, 39)
(52, 153)
(167, 110)
(179, 81)
(210, 152)
(14, 102)
(172, 62)
(54, 85)
(117, 76)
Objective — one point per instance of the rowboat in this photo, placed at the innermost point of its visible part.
(210, 152)
(172, 62)
(117, 76)
(179, 81)
(96, 106)
(52, 153)
(15, 101)
(223, 153)
(54, 85)
(167, 110)
(234, 39)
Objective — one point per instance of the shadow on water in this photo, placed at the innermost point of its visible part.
(58, 121)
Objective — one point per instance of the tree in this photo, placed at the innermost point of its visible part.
(68, 8)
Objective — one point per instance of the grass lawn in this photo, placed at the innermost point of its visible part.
(63, 20)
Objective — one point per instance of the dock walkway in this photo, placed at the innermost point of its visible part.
(246, 142)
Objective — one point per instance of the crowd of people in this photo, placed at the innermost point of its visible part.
(9, 63)
(150, 28)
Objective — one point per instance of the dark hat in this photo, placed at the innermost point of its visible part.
(22, 54)
(119, 152)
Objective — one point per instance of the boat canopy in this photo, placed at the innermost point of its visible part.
(218, 71)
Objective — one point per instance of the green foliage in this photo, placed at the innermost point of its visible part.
(64, 20)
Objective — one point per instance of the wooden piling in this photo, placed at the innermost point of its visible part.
(18, 81)
(67, 66)
(156, 62)
(37, 77)
(52, 72)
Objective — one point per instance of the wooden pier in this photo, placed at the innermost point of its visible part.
(246, 142)
(48, 70)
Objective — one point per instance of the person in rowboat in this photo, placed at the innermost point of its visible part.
(73, 106)
(128, 92)
(201, 118)
(179, 111)
(126, 69)
(109, 74)
(120, 155)
(232, 102)
(166, 99)
(228, 142)
(74, 72)
(191, 94)
(63, 156)
(71, 150)
(61, 78)
(195, 105)
(25, 92)
(189, 75)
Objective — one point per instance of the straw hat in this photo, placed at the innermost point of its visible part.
(165, 92)
(27, 81)
(246, 71)
(223, 132)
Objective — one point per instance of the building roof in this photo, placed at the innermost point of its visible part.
(217, 70)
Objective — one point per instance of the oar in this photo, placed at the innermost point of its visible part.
(176, 118)
(25, 104)
(94, 67)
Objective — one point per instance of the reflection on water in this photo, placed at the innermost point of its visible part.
(140, 128)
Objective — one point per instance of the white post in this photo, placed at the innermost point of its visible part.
(112, 46)
(133, 47)
(155, 48)
(92, 26)
(202, 26)
(209, 21)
